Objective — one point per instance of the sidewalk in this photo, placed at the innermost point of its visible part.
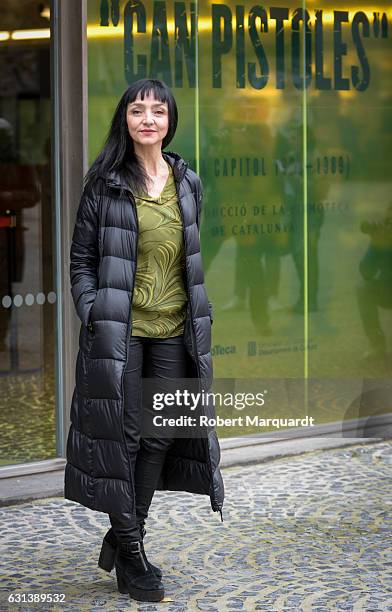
(306, 532)
(244, 450)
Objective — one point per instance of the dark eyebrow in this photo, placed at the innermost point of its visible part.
(141, 104)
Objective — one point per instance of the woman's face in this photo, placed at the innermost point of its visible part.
(148, 120)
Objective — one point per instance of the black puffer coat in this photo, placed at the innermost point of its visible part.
(102, 271)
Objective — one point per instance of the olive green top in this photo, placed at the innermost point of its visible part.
(159, 296)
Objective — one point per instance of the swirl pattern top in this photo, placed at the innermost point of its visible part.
(159, 297)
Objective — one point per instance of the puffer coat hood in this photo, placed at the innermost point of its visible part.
(102, 274)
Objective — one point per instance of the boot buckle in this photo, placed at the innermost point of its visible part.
(137, 545)
(131, 547)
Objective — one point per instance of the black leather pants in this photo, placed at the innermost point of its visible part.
(149, 358)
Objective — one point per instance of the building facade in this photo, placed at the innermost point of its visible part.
(286, 114)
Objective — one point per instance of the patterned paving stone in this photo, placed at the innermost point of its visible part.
(33, 438)
(311, 532)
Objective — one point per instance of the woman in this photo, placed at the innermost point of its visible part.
(138, 288)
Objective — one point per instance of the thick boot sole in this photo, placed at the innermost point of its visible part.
(139, 594)
(107, 558)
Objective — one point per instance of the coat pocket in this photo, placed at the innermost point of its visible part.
(211, 312)
(86, 338)
(90, 322)
(188, 332)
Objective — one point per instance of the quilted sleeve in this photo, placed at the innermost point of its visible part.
(199, 202)
(200, 191)
(84, 256)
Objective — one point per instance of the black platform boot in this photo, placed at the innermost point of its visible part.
(134, 576)
(109, 549)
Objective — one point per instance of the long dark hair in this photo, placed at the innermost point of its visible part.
(118, 151)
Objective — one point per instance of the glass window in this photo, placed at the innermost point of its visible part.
(27, 250)
(286, 114)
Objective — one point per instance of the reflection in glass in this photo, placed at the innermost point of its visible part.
(27, 296)
(289, 177)
(375, 290)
